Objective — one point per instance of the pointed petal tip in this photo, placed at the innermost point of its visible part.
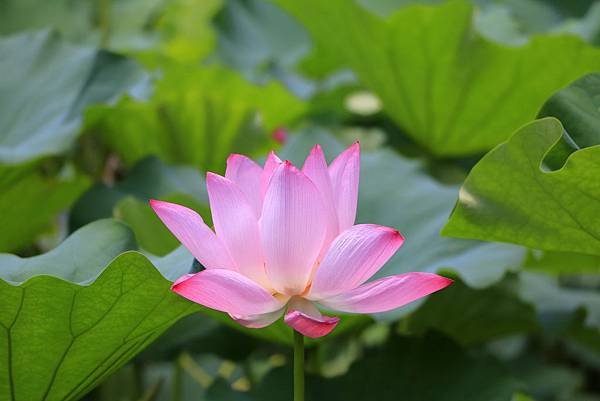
(316, 148)
(446, 281)
(310, 326)
(388, 293)
(397, 235)
(232, 157)
(157, 205)
(214, 178)
(273, 155)
(238, 157)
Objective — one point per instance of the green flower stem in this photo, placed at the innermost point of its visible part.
(298, 366)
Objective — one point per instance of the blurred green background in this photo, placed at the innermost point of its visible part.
(105, 104)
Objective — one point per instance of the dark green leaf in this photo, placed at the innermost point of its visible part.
(577, 107)
(473, 316)
(431, 368)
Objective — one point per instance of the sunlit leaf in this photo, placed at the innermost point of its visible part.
(510, 196)
(185, 30)
(197, 116)
(453, 91)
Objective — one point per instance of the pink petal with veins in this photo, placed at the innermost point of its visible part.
(236, 225)
(291, 228)
(353, 258)
(311, 326)
(344, 172)
(246, 174)
(387, 293)
(227, 291)
(258, 321)
(315, 168)
(189, 228)
(272, 162)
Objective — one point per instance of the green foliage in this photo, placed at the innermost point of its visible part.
(71, 317)
(148, 179)
(25, 189)
(432, 368)
(510, 187)
(36, 122)
(117, 24)
(35, 67)
(206, 78)
(197, 117)
(472, 316)
(255, 34)
(578, 108)
(453, 91)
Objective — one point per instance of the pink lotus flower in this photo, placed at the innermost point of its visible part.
(285, 242)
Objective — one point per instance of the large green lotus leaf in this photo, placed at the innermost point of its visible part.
(431, 368)
(45, 84)
(30, 199)
(117, 24)
(197, 116)
(453, 91)
(71, 317)
(396, 192)
(510, 196)
(148, 179)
